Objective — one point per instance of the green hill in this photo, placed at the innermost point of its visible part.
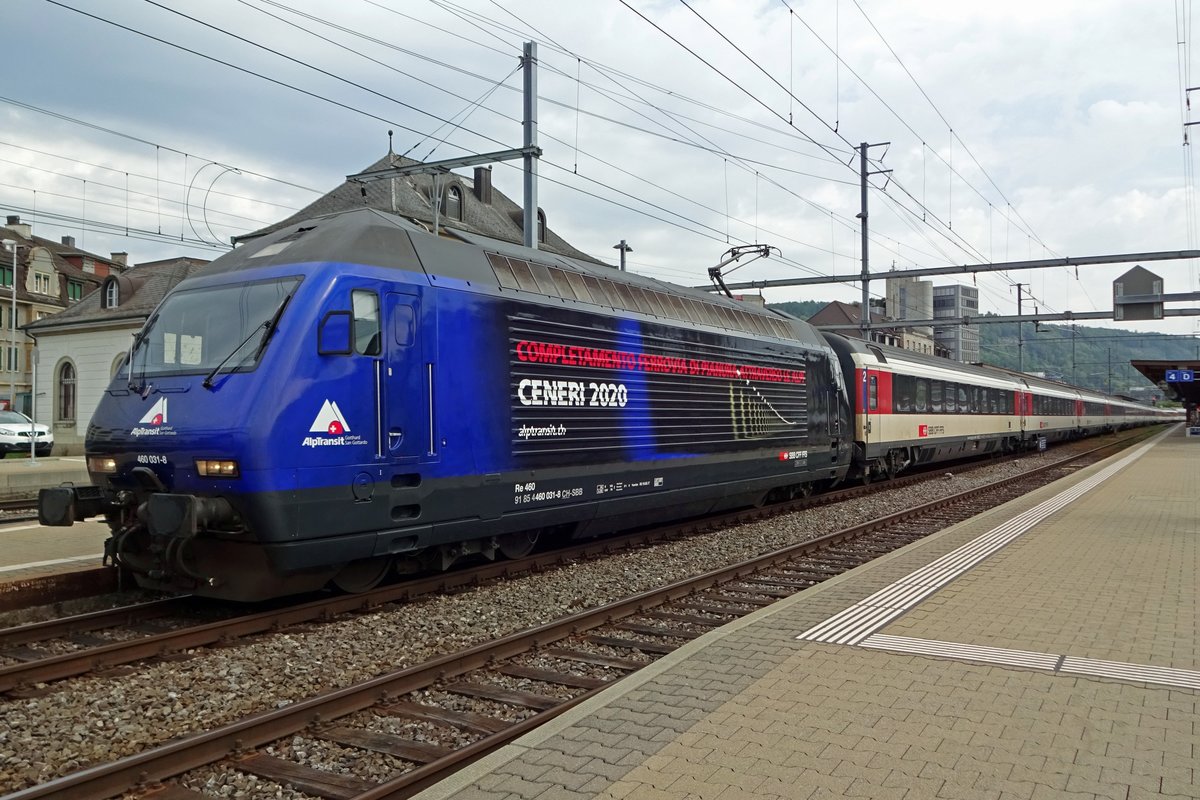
(802, 309)
(1097, 358)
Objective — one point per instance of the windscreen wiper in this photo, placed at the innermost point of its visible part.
(138, 338)
(208, 379)
(272, 324)
(267, 328)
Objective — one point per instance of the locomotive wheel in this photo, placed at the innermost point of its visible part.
(362, 575)
(517, 545)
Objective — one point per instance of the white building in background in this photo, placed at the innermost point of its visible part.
(956, 301)
(49, 276)
(80, 348)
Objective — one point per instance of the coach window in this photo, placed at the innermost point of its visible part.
(935, 397)
(922, 394)
(873, 392)
(950, 400)
(366, 322)
(902, 393)
(963, 403)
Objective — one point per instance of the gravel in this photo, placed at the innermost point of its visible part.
(96, 720)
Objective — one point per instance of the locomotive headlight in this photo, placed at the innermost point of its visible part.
(217, 468)
(106, 464)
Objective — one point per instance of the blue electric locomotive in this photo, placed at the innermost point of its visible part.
(353, 395)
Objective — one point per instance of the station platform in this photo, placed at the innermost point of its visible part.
(1044, 649)
(35, 559)
(21, 477)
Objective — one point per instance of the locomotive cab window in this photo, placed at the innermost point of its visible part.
(197, 330)
(366, 322)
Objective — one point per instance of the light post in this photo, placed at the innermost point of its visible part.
(624, 248)
(33, 357)
(12, 334)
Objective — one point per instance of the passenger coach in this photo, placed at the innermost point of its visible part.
(916, 409)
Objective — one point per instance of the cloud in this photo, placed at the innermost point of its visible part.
(1065, 116)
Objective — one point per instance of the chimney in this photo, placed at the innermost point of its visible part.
(16, 226)
(68, 241)
(483, 184)
(121, 258)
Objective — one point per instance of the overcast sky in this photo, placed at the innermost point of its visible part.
(1018, 130)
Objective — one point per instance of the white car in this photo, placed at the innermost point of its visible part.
(15, 430)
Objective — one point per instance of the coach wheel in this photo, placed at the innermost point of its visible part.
(362, 575)
(890, 467)
(517, 545)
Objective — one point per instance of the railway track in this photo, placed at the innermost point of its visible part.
(415, 719)
(34, 655)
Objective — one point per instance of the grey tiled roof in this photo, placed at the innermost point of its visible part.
(500, 219)
(61, 265)
(141, 289)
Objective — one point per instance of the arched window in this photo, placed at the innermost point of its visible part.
(541, 225)
(453, 203)
(66, 392)
(112, 295)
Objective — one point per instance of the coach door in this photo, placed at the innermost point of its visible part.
(408, 403)
(1024, 405)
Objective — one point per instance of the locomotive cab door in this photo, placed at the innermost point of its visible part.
(407, 410)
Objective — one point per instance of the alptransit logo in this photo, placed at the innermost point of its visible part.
(156, 417)
(332, 423)
(330, 420)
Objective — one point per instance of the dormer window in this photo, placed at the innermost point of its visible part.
(112, 294)
(74, 291)
(541, 216)
(452, 205)
(41, 283)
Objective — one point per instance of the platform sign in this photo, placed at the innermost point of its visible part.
(1041, 444)
(1181, 376)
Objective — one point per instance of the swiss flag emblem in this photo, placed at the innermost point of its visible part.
(922, 430)
(157, 415)
(330, 420)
